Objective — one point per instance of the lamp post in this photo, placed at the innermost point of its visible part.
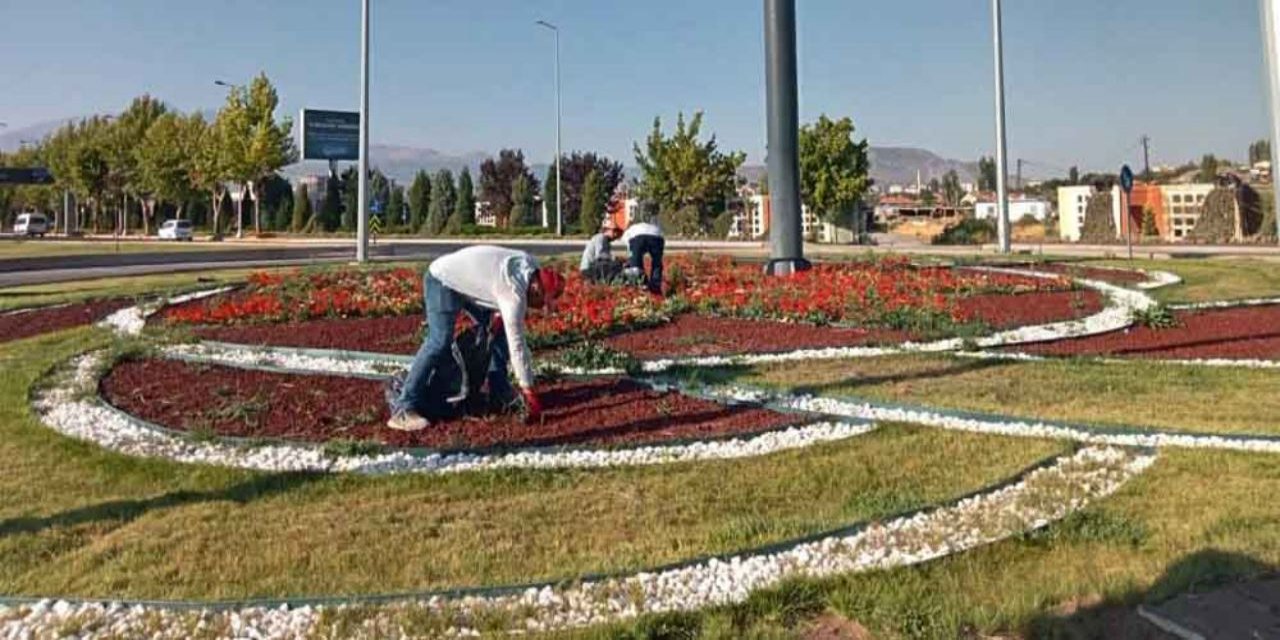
(559, 183)
(362, 181)
(1002, 147)
(1271, 47)
(782, 89)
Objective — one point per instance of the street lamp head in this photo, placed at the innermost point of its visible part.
(544, 23)
(221, 83)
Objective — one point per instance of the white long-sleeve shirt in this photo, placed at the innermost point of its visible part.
(597, 249)
(495, 278)
(640, 229)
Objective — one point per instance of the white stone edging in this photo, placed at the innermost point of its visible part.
(130, 321)
(65, 409)
(1038, 499)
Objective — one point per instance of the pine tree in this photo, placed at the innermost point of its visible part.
(395, 207)
(331, 209)
(301, 209)
(549, 197)
(443, 199)
(593, 203)
(465, 207)
(522, 206)
(419, 201)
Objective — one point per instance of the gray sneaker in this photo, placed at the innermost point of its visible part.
(407, 420)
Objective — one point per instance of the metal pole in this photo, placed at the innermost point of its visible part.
(362, 192)
(1271, 45)
(559, 181)
(1002, 162)
(1128, 221)
(782, 99)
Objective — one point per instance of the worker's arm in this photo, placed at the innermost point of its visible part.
(512, 298)
(591, 253)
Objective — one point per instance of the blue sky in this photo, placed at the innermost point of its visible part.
(1085, 77)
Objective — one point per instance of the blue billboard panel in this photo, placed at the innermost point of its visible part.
(330, 135)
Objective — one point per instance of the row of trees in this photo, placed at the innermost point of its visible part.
(150, 158)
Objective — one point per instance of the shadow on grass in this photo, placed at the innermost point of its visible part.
(1199, 572)
(124, 511)
(932, 373)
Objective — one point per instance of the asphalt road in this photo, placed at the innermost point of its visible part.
(51, 269)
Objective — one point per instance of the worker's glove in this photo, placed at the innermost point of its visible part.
(532, 405)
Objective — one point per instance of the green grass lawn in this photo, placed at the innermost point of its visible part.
(64, 292)
(1177, 398)
(10, 249)
(81, 521)
(1212, 278)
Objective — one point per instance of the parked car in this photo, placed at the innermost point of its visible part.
(31, 224)
(176, 230)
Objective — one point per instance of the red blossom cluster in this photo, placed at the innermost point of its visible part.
(875, 292)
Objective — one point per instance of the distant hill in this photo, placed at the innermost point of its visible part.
(898, 165)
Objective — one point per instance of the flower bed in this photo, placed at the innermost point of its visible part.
(1122, 277)
(224, 401)
(695, 335)
(886, 293)
(1004, 311)
(1238, 333)
(17, 325)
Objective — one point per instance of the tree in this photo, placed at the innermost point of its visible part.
(301, 209)
(1260, 151)
(834, 170)
(1073, 175)
(350, 188)
(1208, 169)
(952, 192)
(121, 148)
(464, 209)
(549, 196)
(166, 159)
(233, 135)
(681, 172)
(419, 201)
(270, 143)
(988, 174)
(443, 200)
(522, 204)
(594, 201)
(331, 206)
(497, 182)
(395, 206)
(574, 170)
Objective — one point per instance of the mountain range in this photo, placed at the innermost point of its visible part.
(889, 165)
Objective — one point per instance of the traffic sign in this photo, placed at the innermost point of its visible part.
(1126, 179)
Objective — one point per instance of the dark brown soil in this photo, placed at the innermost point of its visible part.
(691, 335)
(1240, 333)
(1003, 311)
(16, 325)
(255, 404)
(397, 334)
(1123, 277)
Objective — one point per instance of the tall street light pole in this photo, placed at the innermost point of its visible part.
(559, 183)
(1002, 150)
(782, 98)
(1271, 45)
(362, 222)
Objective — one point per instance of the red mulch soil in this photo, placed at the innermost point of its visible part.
(256, 404)
(25, 324)
(693, 335)
(686, 335)
(1002, 311)
(1123, 277)
(1240, 333)
(395, 334)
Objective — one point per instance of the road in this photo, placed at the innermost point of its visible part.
(300, 252)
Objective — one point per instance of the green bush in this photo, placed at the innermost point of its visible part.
(968, 231)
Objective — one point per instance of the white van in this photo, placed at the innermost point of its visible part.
(175, 230)
(31, 224)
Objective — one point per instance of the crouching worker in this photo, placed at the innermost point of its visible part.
(476, 280)
(597, 263)
(645, 239)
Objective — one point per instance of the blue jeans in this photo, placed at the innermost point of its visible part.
(640, 246)
(442, 308)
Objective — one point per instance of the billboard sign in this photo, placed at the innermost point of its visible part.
(330, 135)
(25, 175)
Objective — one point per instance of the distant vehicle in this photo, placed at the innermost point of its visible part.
(31, 224)
(176, 230)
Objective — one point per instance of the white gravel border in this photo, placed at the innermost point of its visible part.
(130, 321)
(71, 409)
(1039, 498)
(1225, 304)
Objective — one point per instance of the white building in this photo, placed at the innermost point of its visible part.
(1072, 203)
(1183, 204)
(1018, 209)
(484, 215)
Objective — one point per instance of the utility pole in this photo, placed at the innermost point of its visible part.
(559, 182)
(786, 244)
(1002, 162)
(1019, 182)
(1271, 46)
(1146, 156)
(362, 182)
